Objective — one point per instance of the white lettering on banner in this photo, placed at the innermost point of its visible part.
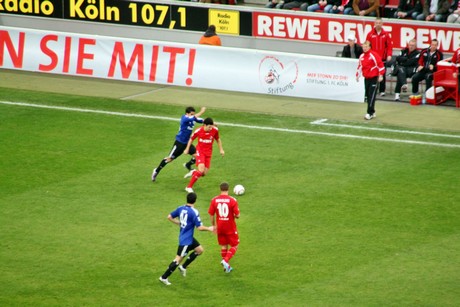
(313, 30)
(262, 72)
(448, 40)
(335, 30)
(264, 26)
(279, 27)
(288, 27)
(296, 27)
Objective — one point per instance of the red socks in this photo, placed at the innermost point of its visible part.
(196, 174)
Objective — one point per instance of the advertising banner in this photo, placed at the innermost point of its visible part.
(235, 20)
(233, 69)
(324, 28)
(175, 15)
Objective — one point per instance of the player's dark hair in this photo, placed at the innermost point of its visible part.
(189, 109)
(208, 121)
(191, 198)
(224, 186)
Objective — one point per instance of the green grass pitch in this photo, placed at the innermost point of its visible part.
(325, 221)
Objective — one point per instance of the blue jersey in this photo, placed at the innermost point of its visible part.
(186, 128)
(189, 219)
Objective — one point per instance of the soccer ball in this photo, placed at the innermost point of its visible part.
(238, 189)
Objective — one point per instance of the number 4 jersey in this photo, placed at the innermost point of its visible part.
(189, 219)
(225, 208)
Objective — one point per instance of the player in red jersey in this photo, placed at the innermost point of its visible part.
(206, 136)
(223, 211)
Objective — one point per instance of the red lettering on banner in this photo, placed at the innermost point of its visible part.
(16, 55)
(50, 53)
(173, 51)
(54, 57)
(153, 65)
(81, 56)
(68, 44)
(137, 56)
(191, 65)
(118, 55)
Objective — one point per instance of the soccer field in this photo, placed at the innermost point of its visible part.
(336, 213)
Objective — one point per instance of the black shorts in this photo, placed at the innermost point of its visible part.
(178, 149)
(182, 250)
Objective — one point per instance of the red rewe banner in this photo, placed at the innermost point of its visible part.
(326, 29)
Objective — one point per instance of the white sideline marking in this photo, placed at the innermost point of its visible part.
(343, 135)
(323, 121)
(142, 94)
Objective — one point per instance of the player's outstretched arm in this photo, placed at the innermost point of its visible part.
(221, 149)
(202, 110)
(206, 228)
(189, 143)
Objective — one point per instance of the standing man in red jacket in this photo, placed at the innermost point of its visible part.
(382, 44)
(371, 67)
(456, 62)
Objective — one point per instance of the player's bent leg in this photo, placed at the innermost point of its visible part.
(190, 259)
(223, 251)
(201, 168)
(195, 175)
(231, 252)
(158, 169)
(199, 250)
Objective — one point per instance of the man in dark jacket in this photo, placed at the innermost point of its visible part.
(409, 9)
(352, 49)
(405, 66)
(427, 65)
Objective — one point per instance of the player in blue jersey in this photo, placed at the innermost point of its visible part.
(187, 122)
(187, 217)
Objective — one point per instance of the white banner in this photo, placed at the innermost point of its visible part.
(220, 68)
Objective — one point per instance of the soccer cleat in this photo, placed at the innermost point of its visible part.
(187, 167)
(182, 270)
(189, 174)
(165, 281)
(188, 190)
(227, 267)
(374, 115)
(154, 174)
(382, 94)
(397, 98)
(404, 87)
(368, 116)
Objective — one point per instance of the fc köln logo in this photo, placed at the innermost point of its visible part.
(277, 77)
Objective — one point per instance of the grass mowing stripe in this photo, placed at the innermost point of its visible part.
(344, 135)
(322, 122)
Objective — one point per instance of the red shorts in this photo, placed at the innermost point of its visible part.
(203, 159)
(228, 239)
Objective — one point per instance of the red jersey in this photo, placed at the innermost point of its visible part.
(381, 43)
(205, 139)
(370, 65)
(225, 208)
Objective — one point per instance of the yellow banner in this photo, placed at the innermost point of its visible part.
(226, 22)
